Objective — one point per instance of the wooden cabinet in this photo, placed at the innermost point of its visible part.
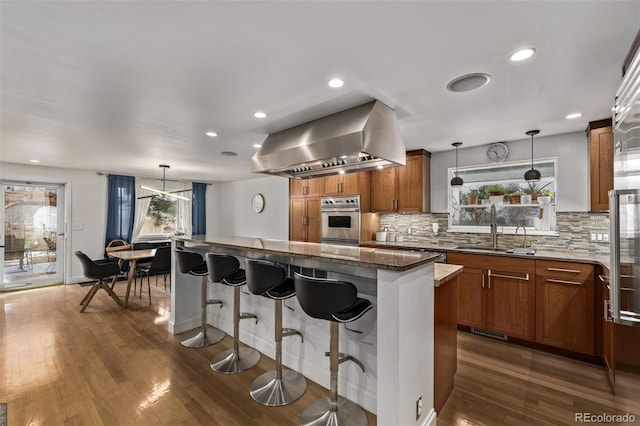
(306, 187)
(358, 183)
(600, 134)
(403, 188)
(496, 294)
(608, 354)
(445, 339)
(304, 219)
(565, 305)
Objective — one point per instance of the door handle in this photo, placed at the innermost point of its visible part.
(482, 280)
(525, 278)
(552, 280)
(61, 235)
(607, 307)
(572, 271)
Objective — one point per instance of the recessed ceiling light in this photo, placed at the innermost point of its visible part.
(259, 114)
(380, 167)
(522, 54)
(34, 161)
(211, 134)
(257, 145)
(574, 115)
(229, 153)
(335, 83)
(341, 172)
(468, 82)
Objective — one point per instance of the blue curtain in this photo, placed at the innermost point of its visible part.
(198, 209)
(121, 205)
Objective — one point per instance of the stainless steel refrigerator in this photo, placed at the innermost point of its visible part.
(622, 310)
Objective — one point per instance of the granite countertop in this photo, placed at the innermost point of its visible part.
(358, 256)
(557, 255)
(443, 273)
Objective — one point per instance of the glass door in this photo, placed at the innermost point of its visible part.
(32, 234)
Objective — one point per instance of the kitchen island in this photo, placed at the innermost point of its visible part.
(395, 341)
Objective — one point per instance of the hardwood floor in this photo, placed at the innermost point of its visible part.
(113, 366)
(500, 383)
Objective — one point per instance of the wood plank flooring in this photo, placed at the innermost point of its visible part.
(112, 366)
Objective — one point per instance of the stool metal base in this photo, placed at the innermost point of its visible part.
(347, 413)
(200, 340)
(230, 362)
(273, 392)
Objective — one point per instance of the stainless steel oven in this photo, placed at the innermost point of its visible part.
(340, 218)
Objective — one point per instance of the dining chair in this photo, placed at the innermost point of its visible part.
(160, 264)
(103, 273)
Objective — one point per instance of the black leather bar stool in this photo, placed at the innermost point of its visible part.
(337, 302)
(275, 388)
(193, 264)
(225, 269)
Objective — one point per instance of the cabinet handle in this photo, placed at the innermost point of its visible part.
(482, 280)
(341, 187)
(552, 280)
(305, 190)
(525, 278)
(604, 278)
(607, 306)
(573, 271)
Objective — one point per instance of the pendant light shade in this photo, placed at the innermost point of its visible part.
(457, 180)
(532, 174)
(162, 192)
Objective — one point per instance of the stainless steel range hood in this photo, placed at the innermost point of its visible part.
(357, 139)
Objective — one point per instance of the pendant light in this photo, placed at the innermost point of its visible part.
(163, 192)
(532, 175)
(457, 181)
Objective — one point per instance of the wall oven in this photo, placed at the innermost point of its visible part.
(340, 220)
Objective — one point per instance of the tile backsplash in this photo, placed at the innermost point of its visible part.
(575, 230)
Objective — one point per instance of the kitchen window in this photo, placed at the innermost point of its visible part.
(517, 202)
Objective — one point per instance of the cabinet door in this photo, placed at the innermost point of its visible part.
(601, 166)
(314, 230)
(471, 297)
(607, 337)
(315, 187)
(411, 185)
(350, 184)
(332, 185)
(297, 219)
(305, 187)
(511, 303)
(297, 187)
(383, 189)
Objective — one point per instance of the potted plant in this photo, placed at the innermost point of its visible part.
(495, 193)
(515, 197)
(472, 196)
(534, 189)
(545, 196)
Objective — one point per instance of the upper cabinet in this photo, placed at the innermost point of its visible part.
(350, 184)
(403, 188)
(306, 187)
(600, 134)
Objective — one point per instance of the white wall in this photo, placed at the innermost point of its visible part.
(237, 216)
(85, 208)
(572, 150)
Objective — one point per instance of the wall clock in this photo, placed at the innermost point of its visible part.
(257, 202)
(497, 152)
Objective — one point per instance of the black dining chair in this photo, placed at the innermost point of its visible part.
(103, 273)
(160, 264)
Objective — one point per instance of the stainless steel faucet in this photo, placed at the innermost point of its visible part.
(524, 242)
(494, 226)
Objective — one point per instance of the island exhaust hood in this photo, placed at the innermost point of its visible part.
(361, 138)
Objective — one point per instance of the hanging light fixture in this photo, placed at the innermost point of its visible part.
(532, 174)
(457, 180)
(163, 191)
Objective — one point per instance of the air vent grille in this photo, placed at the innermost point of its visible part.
(488, 333)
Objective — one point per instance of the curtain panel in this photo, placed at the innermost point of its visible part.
(121, 194)
(198, 209)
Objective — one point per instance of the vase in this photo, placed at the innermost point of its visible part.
(525, 199)
(515, 199)
(472, 199)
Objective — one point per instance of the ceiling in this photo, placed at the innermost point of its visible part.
(125, 86)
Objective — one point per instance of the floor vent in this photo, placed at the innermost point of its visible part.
(488, 333)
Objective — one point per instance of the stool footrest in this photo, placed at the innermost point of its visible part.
(215, 302)
(292, 332)
(246, 315)
(342, 357)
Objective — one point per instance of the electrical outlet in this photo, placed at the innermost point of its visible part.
(599, 237)
(418, 408)
(409, 231)
(605, 237)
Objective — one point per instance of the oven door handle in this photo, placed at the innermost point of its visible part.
(355, 209)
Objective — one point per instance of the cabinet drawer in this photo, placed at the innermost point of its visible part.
(497, 263)
(569, 271)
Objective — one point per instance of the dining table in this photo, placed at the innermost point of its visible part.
(131, 256)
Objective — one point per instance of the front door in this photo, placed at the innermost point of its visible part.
(32, 234)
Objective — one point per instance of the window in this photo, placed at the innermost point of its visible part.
(517, 202)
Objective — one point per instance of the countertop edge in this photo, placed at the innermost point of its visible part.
(443, 273)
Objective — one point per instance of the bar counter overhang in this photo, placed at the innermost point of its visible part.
(396, 344)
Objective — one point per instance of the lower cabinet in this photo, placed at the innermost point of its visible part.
(496, 294)
(304, 219)
(549, 302)
(565, 306)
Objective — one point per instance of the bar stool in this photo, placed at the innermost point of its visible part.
(225, 269)
(337, 302)
(193, 264)
(275, 388)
